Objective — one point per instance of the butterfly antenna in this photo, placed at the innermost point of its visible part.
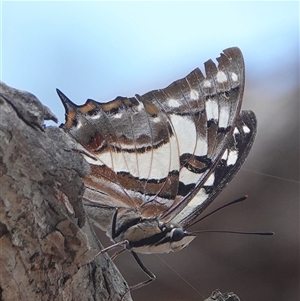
(233, 232)
(241, 199)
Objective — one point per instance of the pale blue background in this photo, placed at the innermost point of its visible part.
(101, 50)
(104, 49)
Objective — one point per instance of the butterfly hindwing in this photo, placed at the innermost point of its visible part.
(236, 152)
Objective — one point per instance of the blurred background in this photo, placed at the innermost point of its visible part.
(101, 50)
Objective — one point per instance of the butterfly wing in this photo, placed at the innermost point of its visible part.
(156, 151)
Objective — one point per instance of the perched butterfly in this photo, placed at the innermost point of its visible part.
(158, 160)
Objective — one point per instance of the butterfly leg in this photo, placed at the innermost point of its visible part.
(123, 243)
(151, 276)
(117, 253)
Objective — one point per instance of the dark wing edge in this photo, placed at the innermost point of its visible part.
(240, 143)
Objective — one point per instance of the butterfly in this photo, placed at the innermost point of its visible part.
(159, 159)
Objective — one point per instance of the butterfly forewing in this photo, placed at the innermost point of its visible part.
(157, 151)
(205, 121)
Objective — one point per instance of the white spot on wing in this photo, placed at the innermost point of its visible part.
(207, 84)
(97, 116)
(194, 95)
(236, 131)
(224, 116)
(156, 119)
(173, 103)
(212, 110)
(140, 107)
(232, 157)
(246, 129)
(117, 115)
(221, 77)
(234, 77)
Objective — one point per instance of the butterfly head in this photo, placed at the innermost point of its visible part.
(180, 239)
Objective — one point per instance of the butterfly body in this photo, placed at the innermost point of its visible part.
(144, 235)
(159, 159)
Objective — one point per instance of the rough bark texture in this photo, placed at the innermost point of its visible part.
(46, 245)
(218, 296)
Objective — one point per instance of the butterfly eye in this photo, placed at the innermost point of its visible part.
(177, 234)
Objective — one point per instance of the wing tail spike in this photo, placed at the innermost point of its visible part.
(68, 104)
(70, 110)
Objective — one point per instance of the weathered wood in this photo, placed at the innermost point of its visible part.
(218, 296)
(45, 242)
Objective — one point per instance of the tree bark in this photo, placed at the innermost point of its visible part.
(218, 296)
(46, 245)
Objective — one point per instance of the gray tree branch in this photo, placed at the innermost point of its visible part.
(46, 245)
